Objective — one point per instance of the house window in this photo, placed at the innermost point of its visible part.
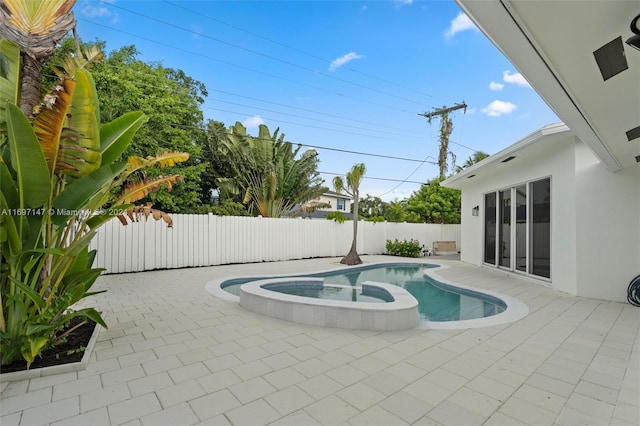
(517, 228)
(342, 204)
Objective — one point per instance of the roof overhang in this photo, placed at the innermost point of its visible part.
(518, 152)
(552, 44)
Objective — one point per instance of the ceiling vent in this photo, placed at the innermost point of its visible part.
(633, 133)
(506, 160)
(611, 59)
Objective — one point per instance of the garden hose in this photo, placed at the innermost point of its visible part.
(633, 292)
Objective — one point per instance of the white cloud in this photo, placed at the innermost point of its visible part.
(516, 79)
(458, 24)
(496, 86)
(498, 108)
(338, 62)
(409, 2)
(90, 11)
(254, 121)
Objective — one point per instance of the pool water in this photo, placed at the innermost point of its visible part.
(436, 301)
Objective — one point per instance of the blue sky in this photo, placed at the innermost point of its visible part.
(342, 75)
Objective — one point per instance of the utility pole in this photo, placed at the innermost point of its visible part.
(446, 127)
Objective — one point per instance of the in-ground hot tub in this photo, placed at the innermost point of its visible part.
(388, 308)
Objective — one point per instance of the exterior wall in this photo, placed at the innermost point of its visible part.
(539, 161)
(595, 225)
(334, 203)
(608, 240)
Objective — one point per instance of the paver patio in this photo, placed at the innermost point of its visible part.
(176, 355)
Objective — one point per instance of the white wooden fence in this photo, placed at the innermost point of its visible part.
(206, 240)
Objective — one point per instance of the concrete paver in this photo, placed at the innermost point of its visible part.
(175, 354)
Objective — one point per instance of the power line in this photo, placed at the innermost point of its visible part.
(346, 151)
(404, 181)
(377, 178)
(311, 55)
(171, 90)
(309, 110)
(321, 89)
(255, 52)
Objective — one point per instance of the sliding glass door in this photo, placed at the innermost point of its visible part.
(517, 228)
(505, 228)
(521, 228)
(540, 259)
(490, 228)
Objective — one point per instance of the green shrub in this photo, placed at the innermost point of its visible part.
(337, 216)
(375, 219)
(404, 248)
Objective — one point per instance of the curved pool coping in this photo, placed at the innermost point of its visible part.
(515, 310)
(400, 314)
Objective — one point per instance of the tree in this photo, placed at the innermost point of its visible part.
(215, 166)
(398, 212)
(351, 186)
(435, 204)
(473, 159)
(36, 26)
(371, 206)
(266, 172)
(60, 180)
(170, 99)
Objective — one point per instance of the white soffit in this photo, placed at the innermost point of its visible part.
(552, 44)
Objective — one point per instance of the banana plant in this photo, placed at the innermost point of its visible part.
(58, 177)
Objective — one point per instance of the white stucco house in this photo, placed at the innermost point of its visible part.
(328, 202)
(562, 205)
(336, 201)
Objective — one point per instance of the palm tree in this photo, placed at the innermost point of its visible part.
(473, 159)
(352, 188)
(36, 26)
(266, 172)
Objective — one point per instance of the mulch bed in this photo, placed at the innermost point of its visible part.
(63, 354)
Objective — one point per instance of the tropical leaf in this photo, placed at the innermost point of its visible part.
(70, 65)
(116, 135)
(71, 145)
(9, 230)
(136, 213)
(137, 190)
(81, 192)
(27, 160)
(166, 159)
(9, 78)
(36, 24)
(8, 187)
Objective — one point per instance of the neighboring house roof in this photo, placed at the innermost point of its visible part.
(552, 43)
(337, 195)
(518, 152)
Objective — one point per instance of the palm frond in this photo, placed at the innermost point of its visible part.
(67, 132)
(137, 190)
(136, 213)
(165, 159)
(70, 64)
(36, 25)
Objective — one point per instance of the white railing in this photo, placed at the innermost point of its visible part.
(206, 240)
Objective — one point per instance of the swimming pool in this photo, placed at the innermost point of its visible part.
(437, 301)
